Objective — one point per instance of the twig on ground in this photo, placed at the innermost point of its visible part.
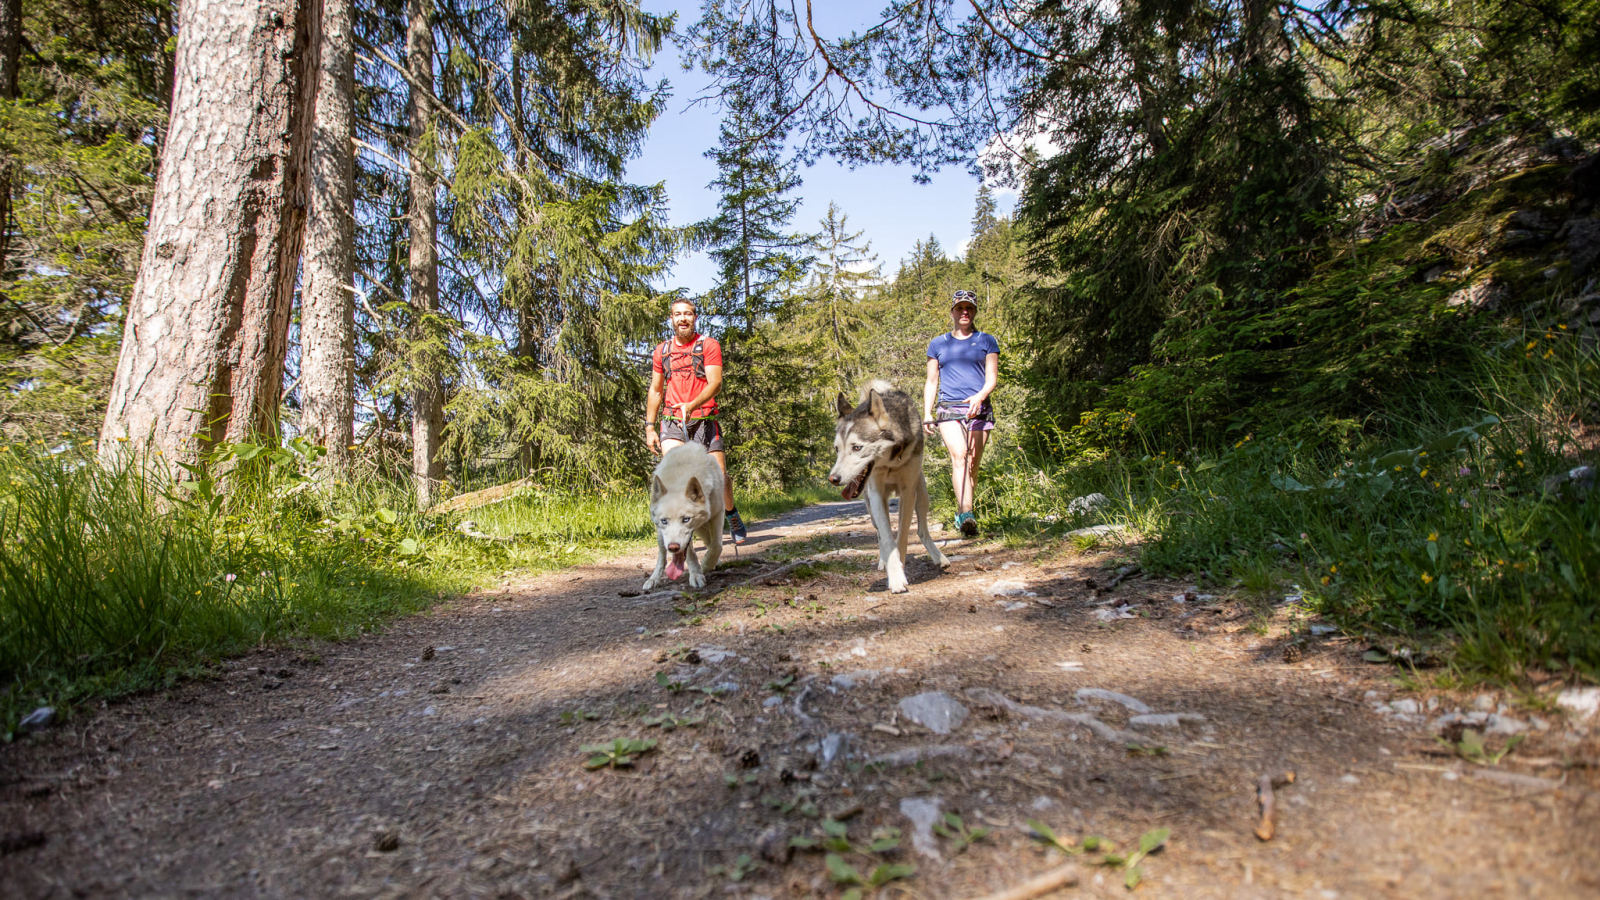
(914, 755)
(1065, 875)
(799, 710)
(1122, 576)
(1101, 730)
(1268, 801)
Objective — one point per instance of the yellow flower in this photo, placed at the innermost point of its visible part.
(1424, 474)
(1467, 541)
(1433, 536)
(1333, 569)
(1324, 579)
(1426, 578)
(1531, 345)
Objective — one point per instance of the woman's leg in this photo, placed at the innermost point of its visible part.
(979, 439)
(955, 441)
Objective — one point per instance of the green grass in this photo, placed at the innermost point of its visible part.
(1448, 532)
(115, 580)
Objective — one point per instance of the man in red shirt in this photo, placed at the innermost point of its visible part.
(686, 372)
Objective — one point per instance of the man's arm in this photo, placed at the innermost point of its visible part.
(930, 393)
(652, 406)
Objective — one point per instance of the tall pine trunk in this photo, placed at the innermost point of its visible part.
(207, 324)
(327, 305)
(427, 398)
(10, 62)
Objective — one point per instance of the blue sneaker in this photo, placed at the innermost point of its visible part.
(967, 524)
(736, 528)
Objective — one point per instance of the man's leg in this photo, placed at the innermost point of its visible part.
(727, 486)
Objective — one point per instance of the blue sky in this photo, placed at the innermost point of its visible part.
(882, 201)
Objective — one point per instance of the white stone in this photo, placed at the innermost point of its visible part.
(1087, 503)
(935, 710)
(1407, 706)
(1583, 703)
(923, 813)
(1008, 589)
(1499, 724)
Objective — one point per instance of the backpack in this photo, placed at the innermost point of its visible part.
(697, 353)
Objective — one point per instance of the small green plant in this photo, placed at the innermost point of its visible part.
(841, 872)
(780, 685)
(1146, 750)
(741, 867)
(668, 721)
(574, 716)
(1149, 842)
(957, 832)
(1472, 748)
(734, 781)
(616, 755)
(665, 681)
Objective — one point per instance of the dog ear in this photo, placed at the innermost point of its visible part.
(697, 494)
(844, 405)
(876, 402)
(656, 488)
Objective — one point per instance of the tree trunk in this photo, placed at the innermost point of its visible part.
(10, 61)
(207, 326)
(427, 400)
(327, 304)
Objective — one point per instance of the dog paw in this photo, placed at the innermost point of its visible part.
(898, 585)
(650, 585)
(697, 580)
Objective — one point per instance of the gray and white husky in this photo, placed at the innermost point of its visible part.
(879, 448)
(685, 500)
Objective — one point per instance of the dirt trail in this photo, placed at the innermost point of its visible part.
(379, 768)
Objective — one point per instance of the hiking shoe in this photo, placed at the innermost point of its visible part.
(737, 529)
(967, 524)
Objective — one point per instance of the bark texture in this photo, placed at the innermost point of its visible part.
(427, 399)
(327, 302)
(207, 326)
(10, 60)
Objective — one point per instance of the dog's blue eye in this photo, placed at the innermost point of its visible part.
(685, 518)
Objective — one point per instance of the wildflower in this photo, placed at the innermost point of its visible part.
(1334, 569)
(1464, 471)
(1426, 578)
(1303, 536)
(1531, 345)
(1433, 536)
(1519, 452)
(1324, 579)
(1424, 474)
(230, 577)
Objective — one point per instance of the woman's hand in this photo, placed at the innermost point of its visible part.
(929, 426)
(974, 405)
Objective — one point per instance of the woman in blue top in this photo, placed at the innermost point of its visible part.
(963, 368)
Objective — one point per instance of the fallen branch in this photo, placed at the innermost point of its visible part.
(1268, 801)
(799, 711)
(1065, 875)
(1122, 575)
(1101, 730)
(913, 755)
(474, 499)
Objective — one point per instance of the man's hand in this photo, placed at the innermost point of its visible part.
(687, 411)
(652, 439)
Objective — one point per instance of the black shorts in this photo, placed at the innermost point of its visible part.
(705, 432)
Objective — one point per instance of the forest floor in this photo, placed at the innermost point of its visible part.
(442, 758)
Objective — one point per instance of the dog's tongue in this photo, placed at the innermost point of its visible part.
(673, 569)
(849, 492)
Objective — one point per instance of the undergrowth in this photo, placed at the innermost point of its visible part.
(116, 579)
(1472, 525)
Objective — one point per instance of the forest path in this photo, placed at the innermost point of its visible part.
(441, 758)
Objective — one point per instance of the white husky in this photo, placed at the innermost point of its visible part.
(879, 447)
(686, 500)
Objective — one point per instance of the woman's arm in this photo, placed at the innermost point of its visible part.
(930, 393)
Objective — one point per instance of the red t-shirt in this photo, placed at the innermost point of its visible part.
(683, 386)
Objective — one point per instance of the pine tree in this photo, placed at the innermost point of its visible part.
(844, 274)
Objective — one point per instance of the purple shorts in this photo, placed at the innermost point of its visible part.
(957, 412)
